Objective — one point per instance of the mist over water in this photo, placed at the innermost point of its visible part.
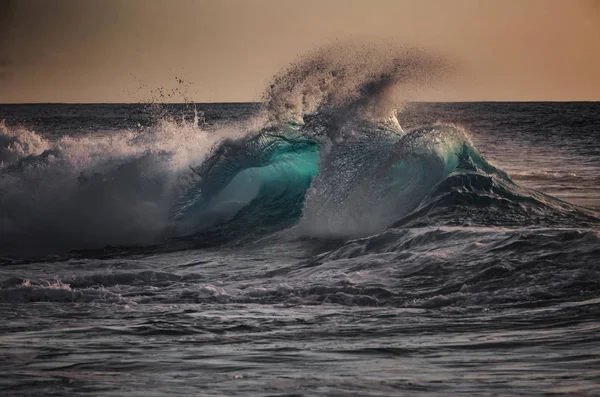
(357, 82)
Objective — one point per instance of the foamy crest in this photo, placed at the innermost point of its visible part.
(16, 143)
(97, 189)
(363, 187)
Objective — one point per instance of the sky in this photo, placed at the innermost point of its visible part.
(86, 51)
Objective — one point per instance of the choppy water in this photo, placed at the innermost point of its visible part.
(144, 256)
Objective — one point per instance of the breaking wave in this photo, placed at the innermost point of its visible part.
(328, 160)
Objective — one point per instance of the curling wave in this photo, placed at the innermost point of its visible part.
(372, 179)
(329, 159)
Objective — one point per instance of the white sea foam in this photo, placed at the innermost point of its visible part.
(94, 189)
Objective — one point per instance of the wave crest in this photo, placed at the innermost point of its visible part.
(93, 189)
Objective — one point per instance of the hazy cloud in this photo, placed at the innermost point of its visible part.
(5, 61)
(6, 16)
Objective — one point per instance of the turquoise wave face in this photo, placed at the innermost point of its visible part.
(358, 186)
(250, 186)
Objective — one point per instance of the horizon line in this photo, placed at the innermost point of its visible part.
(256, 103)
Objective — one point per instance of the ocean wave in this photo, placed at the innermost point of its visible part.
(358, 186)
(327, 158)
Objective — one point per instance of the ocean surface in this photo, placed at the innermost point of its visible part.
(161, 250)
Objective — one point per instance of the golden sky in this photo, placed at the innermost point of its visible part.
(227, 50)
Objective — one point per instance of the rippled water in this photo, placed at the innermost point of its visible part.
(462, 297)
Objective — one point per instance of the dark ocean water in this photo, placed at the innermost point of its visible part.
(186, 250)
